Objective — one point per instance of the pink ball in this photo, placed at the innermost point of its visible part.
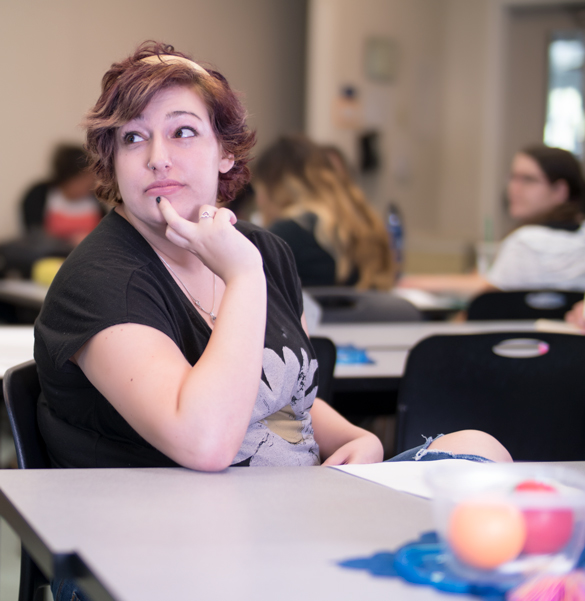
(547, 530)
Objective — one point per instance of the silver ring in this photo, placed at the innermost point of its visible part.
(206, 215)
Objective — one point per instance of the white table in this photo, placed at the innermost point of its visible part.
(388, 344)
(247, 534)
(16, 346)
(25, 293)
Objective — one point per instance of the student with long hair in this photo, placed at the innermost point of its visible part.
(336, 237)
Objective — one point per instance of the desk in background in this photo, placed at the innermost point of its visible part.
(434, 305)
(368, 389)
(388, 344)
(16, 346)
(25, 293)
(21, 300)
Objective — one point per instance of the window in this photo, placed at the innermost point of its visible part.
(565, 127)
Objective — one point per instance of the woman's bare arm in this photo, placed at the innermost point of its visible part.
(339, 440)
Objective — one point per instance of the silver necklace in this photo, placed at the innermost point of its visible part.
(193, 299)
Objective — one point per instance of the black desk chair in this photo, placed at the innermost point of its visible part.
(21, 392)
(343, 304)
(522, 304)
(326, 356)
(535, 406)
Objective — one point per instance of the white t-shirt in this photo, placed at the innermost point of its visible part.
(536, 256)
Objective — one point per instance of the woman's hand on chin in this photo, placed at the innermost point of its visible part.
(213, 239)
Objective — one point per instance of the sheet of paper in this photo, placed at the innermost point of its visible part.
(406, 476)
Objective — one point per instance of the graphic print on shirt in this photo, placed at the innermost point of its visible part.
(280, 431)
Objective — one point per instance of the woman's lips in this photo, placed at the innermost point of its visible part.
(163, 187)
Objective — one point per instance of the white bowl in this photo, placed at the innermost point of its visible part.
(474, 549)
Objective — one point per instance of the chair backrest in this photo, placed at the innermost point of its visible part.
(21, 389)
(326, 356)
(21, 392)
(535, 406)
(522, 304)
(342, 304)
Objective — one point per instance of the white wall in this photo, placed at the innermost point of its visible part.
(406, 111)
(55, 53)
(441, 119)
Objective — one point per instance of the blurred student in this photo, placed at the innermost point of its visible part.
(64, 206)
(336, 237)
(546, 195)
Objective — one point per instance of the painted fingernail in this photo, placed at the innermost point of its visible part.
(158, 199)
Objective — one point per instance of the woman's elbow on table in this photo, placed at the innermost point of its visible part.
(208, 456)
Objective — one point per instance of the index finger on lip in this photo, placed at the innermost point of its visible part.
(166, 208)
(173, 219)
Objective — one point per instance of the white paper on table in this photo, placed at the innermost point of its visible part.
(406, 476)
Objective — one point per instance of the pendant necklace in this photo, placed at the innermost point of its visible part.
(211, 314)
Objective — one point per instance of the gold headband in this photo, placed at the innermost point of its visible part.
(171, 59)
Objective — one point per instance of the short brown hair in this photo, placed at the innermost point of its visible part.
(128, 87)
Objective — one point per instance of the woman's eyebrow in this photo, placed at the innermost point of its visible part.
(179, 113)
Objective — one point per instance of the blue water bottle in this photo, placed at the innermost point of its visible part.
(396, 233)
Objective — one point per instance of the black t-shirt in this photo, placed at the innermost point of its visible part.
(113, 277)
(316, 266)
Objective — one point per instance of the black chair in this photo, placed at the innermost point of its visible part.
(326, 356)
(522, 304)
(343, 304)
(529, 394)
(21, 391)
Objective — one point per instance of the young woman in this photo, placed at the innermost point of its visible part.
(64, 207)
(546, 195)
(335, 235)
(172, 335)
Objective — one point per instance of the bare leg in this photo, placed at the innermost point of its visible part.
(472, 442)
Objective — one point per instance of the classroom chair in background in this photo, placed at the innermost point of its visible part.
(326, 356)
(522, 304)
(525, 389)
(344, 304)
(21, 391)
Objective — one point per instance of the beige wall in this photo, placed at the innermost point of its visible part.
(406, 112)
(55, 53)
(427, 116)
(442, 119)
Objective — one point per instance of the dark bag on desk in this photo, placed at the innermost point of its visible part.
(18, 256)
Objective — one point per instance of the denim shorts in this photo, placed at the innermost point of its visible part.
(423, 453)
(67, 590)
